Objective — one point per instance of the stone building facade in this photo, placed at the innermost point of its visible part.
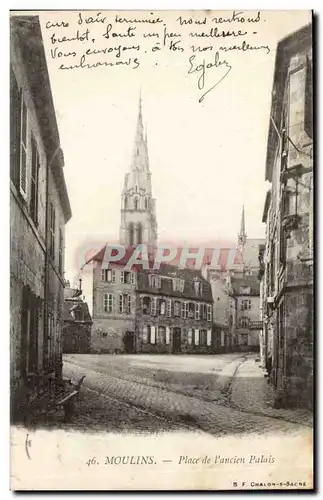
(236, 295)
(164, 311)
(173, 312)
(287, 262)
(39, 210)
(246, 293)
(114, 307)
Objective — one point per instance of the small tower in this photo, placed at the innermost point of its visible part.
(242, 236)
(138, 207)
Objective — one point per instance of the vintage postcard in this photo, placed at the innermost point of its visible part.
(161, 250)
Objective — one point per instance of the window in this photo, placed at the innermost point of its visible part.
(161, 335)
(126, 277)
(113, 276)
(23, 148)
(145, 334)
(272, 267)
(153, 335)
(203, 337)
(108, 275)
(52, 222)
(15, 129)
(34, 182)
(129, 277)
(79, 314)
(169, 308)
(209, 338)
(184, 310)
(190, 336)
(146, 305)
(244, 322)
(244, 339)
(191, 310)
(146, 204)
(244, 290)
(198, 287)
(209, 312)
(197, 311)
(245, 304)
(61, 252)
(162, 307)
(196, 336)
(125, 304)
(204, 311)
(131, 233)
(177, 308)
(136, 203)
(178, 284)
(167, 335)
(154, 306)
(108, 302)
(154, 281)
(139, 233)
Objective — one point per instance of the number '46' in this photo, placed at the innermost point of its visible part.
(91, 461)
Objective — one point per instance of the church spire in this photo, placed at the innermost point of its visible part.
(138, 179)
(242, 236)
(138, 208)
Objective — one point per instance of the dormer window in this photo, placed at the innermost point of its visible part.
(154, 281)
(198, 287)
(178, 284)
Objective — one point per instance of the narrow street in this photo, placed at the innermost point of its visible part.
(220, 395)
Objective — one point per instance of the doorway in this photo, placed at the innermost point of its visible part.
(129, 342)
(176, 340)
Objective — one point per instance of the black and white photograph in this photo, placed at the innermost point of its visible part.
(161, 250)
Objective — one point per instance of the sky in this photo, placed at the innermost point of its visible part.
(207, 159)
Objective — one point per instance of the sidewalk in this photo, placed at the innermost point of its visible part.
(251, 392)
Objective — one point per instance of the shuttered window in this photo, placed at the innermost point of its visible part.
(167, 335)
(23, 148)
(34, 181)
(15, 129)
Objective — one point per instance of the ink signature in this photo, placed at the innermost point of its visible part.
(203, 70)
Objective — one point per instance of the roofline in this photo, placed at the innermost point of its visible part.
(288, 46)
(25, 32)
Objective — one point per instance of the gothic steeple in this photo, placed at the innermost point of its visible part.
(138, 217)
(242, 236)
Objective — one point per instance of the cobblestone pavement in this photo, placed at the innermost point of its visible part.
(116, 397)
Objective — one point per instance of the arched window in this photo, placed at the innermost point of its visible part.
(125, 202)
(146, 203)
(139, 233)
(136, 203)
(131, 233)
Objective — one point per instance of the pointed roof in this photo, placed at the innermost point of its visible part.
(242, 237)
(139, 176)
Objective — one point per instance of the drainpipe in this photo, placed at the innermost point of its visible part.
(46, 277)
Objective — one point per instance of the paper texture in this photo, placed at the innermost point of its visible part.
(161, 250)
